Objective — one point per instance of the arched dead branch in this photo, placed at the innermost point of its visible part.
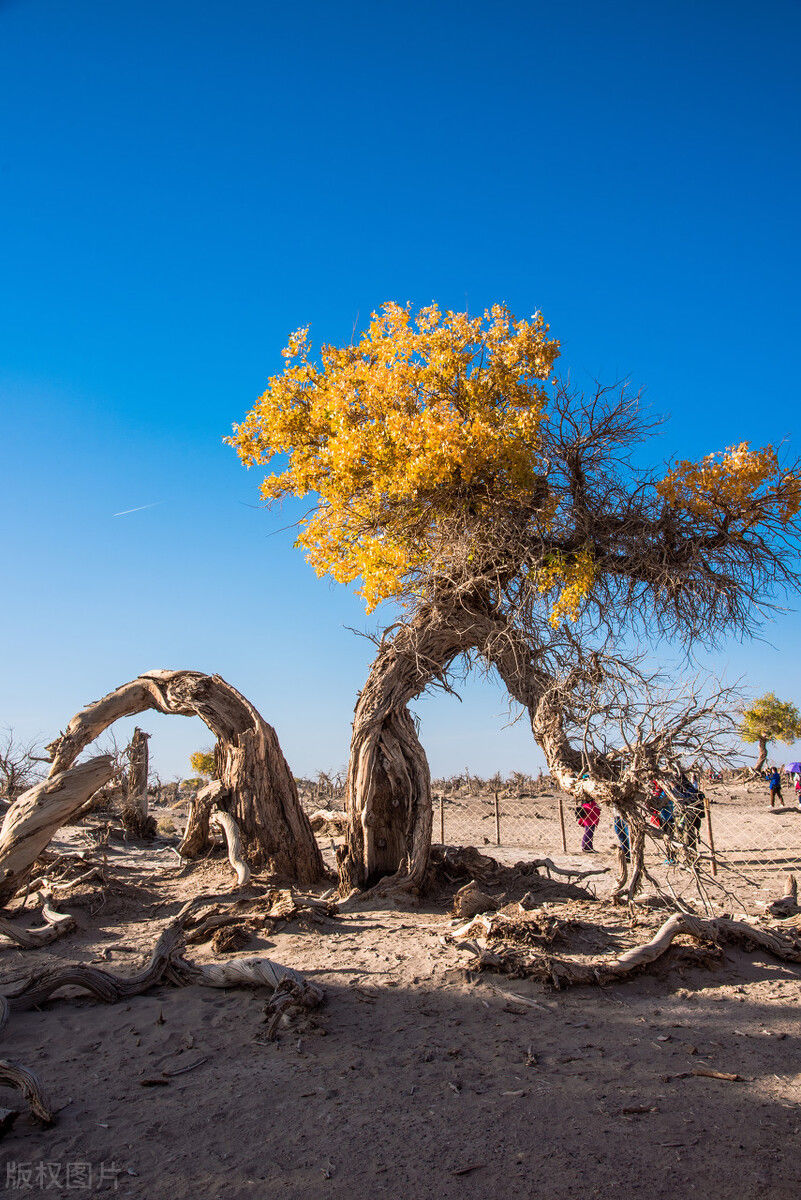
(260, 791)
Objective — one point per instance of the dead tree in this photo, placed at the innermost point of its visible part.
(259, 790)
(135, 817)
(37, 815)
(19, 765)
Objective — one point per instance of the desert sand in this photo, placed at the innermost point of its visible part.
(420, 1077)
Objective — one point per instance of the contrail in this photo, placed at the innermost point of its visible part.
(141, 507)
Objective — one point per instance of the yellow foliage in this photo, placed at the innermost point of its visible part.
(576, 575)
(202, 761)
(771, 719)
(738, 484)
(425, 434)
(424, 418)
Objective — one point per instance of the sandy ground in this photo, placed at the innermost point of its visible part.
(417, 1079)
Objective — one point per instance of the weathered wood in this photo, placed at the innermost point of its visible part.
(329, 821)
(196, 834)
(34, 818)
(226, 823)
(388, 799)
(55, 926)
(14, 1075)
(564, 972)
(262, 795)
(134, 807)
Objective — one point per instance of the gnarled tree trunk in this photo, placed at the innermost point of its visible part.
(389, 785)
(259, 789)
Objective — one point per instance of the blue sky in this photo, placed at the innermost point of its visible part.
(182, 184)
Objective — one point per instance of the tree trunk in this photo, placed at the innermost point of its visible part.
(388, 797)
(262, 795)
(763, 753)
(389, 804)
(134, 808)
(196, 834)
(38, 814)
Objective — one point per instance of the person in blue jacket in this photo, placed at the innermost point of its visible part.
(775, 785)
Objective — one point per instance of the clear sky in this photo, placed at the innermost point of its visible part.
(184, 183)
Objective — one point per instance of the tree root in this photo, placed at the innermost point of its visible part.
(289, 994)
(56, 925)
(711, 934)
(550, 869)
(15, 1076)
(280, 904)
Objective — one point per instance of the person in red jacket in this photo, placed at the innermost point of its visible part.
(588, 814)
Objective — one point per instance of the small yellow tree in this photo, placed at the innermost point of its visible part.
(202, 761)
(769, 719)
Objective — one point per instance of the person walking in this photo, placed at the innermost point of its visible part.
(689, 814)
(622, 834)
(775, 785)
(588, 814)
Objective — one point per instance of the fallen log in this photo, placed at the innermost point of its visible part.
(37, 815)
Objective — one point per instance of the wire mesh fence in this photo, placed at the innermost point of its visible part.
(733, 854)
(735, 848)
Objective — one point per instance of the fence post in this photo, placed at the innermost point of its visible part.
(711, 838)
(497, 822)
(442, 819)
(562, 822)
